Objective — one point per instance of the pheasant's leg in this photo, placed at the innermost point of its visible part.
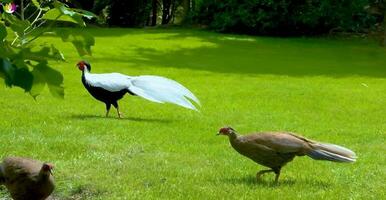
(277, 172)
(108, 106)
(259, 173)
(277, 177)
(119, 113)
(115, 104)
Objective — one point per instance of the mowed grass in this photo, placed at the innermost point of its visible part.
(329, 90)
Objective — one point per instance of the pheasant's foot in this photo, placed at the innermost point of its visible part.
(120, 115)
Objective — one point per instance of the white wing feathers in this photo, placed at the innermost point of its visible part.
(153, 88)
(112, 82)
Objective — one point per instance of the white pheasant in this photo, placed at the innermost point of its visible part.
(111, 87)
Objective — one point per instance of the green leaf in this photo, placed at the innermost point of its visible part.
(38, 56)
(3, 31)
(81, 40)
(6, 51)
(66, 11)
(6, 1)
(62, 13)
(16, 24)
(45, 75)
(33, 82)
(85, 13)
(7, 71)
(15, 75)
(23, 78)
(77, 18)
(16, 61)
(56, 15)
(44, 54)
(57, 53)
(38, 5)
(38, 83)
(52, 14)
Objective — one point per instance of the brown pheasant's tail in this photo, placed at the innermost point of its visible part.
(331, 152)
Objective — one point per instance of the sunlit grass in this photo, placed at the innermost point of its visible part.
(325, 89)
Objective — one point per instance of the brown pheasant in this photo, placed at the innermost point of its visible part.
(275, 149)
(26, 178)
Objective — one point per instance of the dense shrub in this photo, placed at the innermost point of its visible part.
(129, 13)
(284, 17)
(133, 13)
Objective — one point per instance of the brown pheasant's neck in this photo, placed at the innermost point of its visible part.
(44, 175)
(233, 136)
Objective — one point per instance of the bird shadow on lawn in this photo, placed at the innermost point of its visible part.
(79, 192)
(269, 182)
(136, 119)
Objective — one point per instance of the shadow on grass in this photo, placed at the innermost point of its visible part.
(269, 182)
(199, 50)
(80, 192)
(136, 119)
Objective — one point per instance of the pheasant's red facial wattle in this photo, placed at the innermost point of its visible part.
(47, 167)
(224, 131)
(81, 65)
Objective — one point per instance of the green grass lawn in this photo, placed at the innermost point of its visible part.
(329, 90)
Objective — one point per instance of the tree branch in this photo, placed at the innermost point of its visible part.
(48, 27)
(22, 10)
(37, 18)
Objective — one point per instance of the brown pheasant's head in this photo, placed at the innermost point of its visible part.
(226, 131)
(82, 65)
(47, 168)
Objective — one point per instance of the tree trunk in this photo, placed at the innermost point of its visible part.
(154, 8)
(166, 11)
(173, 10)
(193, 5)
(186, 5)
(186, 8)
(383, 42)
(133, 13)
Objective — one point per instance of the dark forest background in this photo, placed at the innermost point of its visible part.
(256, 17)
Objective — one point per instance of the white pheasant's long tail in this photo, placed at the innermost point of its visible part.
(159, 89)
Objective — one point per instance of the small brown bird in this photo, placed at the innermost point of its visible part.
(275, 149)
(26, 178)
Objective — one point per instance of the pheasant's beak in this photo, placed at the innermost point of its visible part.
(51, 170)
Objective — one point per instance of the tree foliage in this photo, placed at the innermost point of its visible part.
(23, 61)
(269, 17)
(284, 17)
(139, 13)
(129, 13)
